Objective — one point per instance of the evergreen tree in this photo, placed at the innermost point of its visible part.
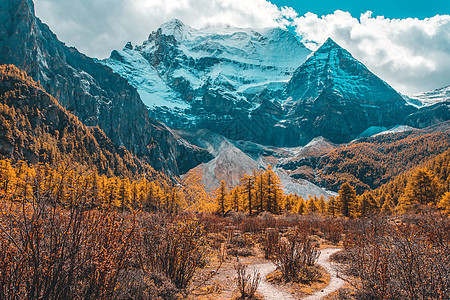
(444, 204)
(332, 206)
(235, 199)
(346, 200)
(273, 191)
(221, 197)
(388, 206)
(311, 206)
(321, 205)
(422, 188)
(301, 206)
(366, 205)
(247, 183)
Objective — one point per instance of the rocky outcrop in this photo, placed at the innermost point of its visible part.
(430, 115)
(89, 89)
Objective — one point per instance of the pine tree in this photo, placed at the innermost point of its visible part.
(366, 205)
(260, 191)
(388, 206)
(332, 206)
(444, 203)
(221, 197)
(273, 191)
(301, 206)
(422, 188)
(247, 183)
(311, 206)
(321, 205)
(235, 199)
(346, 200)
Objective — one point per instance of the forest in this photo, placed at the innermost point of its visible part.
(81, 218)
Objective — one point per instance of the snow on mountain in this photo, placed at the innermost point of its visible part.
(397, 129)
(334, 69)
(433, 97)
(184, 74)
(335, 96)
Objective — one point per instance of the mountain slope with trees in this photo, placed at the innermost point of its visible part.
(37, 129)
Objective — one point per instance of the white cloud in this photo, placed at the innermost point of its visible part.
(97, 27)
(410, 54)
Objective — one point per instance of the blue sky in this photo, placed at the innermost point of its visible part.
(388, 8)
(403, 42)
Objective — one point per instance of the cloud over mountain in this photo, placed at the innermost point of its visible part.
(412, 55)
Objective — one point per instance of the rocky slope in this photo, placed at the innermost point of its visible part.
(90, 90)
(232, 160)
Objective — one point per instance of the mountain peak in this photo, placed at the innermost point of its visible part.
(331, 46)
(174, 28)
(334, 69)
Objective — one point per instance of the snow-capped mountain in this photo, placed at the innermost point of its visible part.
(89, 90)
(259, 85)
(213, 77)
(433, 97)
(335, 96)
(332, 68)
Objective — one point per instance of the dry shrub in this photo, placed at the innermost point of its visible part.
(244, 252)
(271, 242)
(332, 230)
(295, 256)
(247, 284)
(47, 252)
(407, 259)
(177, 249)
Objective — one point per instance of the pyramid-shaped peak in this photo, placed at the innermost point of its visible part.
(328, 45)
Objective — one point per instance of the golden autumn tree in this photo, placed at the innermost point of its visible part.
(347, 200)
(247, 185)
(444, 203)
(221, 197)
(332, 206)
(422, 188)
(194, 192)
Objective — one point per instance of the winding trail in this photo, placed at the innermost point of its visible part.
(265, 288)
(270, 291)
(335, 282)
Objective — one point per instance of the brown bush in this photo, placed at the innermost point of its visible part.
(403, 259)
(176, 249)
(295, 256)
(272, 238)
(247, 284)
(48, 252)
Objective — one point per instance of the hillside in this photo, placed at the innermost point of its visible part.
(35, 128)
(370, 162)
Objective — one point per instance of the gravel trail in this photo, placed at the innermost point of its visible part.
(272, 292)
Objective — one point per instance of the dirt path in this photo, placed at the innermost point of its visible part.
(270, 291)
(266, 289)
(335, 282)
